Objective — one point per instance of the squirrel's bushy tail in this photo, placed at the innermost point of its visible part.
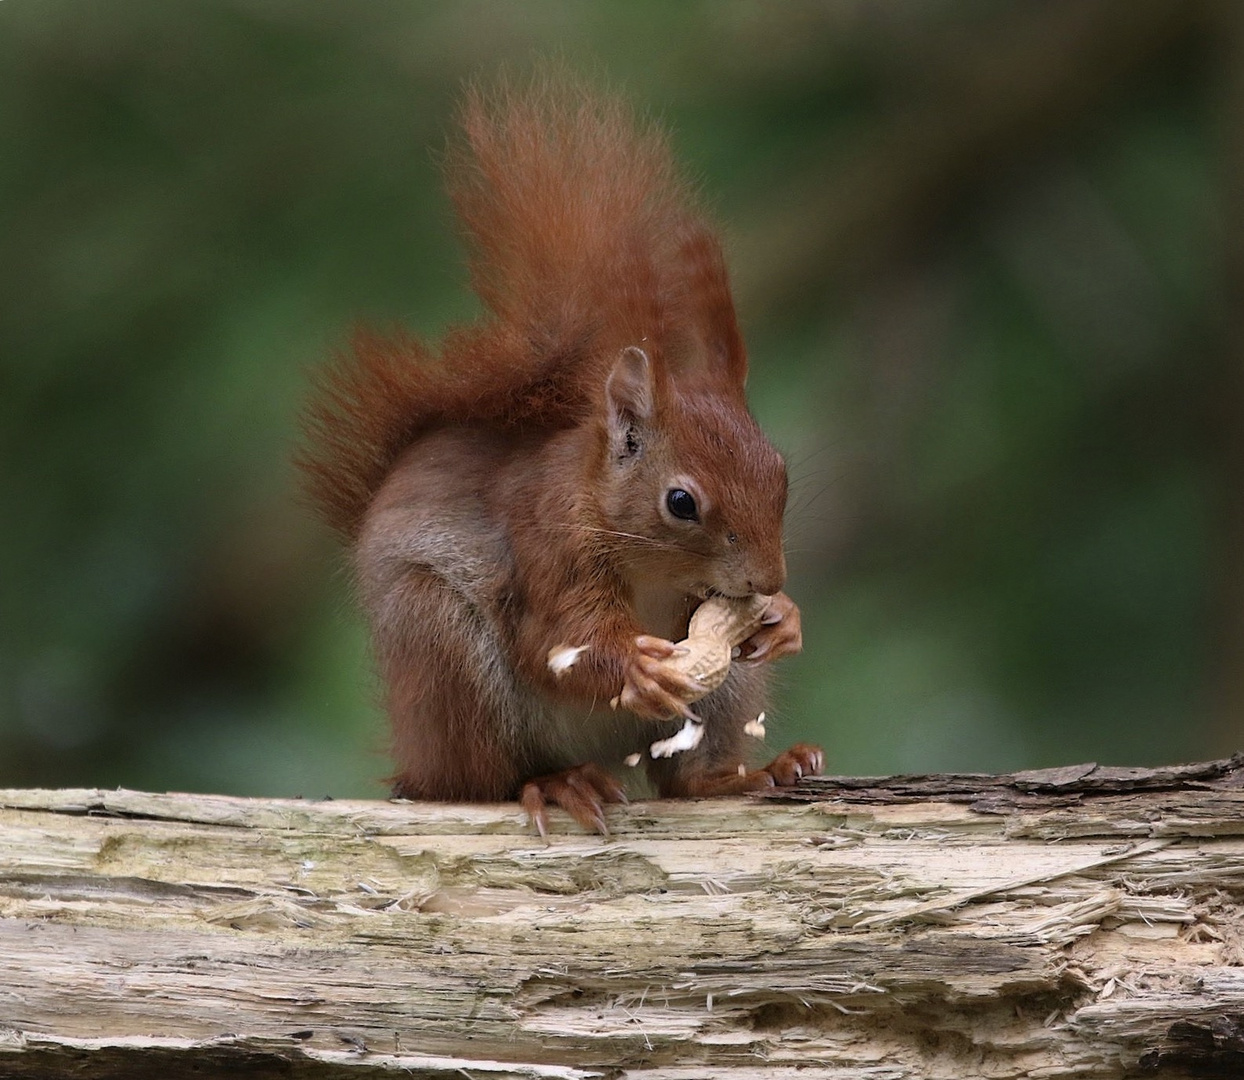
(582, 240)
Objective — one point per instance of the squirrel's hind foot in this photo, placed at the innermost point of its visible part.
(789, 767)
(581, 792)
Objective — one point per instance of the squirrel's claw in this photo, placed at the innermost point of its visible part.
(787, 768)
(780, 633)
(652, 687)
(791, 766)
(581, 792)
(659, 648)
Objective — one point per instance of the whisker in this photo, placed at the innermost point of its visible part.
(804, 499)
(611, 532)
(797, 462)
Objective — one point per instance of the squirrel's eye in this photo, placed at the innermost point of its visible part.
(682, 505)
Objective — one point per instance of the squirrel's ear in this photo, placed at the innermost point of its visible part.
(629, 390)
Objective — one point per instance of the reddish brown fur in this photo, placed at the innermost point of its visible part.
(508, 494)
(581, 242)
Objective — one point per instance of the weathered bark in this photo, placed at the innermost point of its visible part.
(1079, 922)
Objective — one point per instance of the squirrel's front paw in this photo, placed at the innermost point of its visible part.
(779, 634)
(654, 688)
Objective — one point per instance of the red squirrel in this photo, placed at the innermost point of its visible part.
(576, 468)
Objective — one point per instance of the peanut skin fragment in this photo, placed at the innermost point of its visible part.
(562, 658)
(685, 739)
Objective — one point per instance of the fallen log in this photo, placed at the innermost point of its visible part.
(1079, 922)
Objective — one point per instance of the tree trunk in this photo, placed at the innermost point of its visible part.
(1077, 922)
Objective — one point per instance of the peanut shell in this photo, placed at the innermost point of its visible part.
(716, 627)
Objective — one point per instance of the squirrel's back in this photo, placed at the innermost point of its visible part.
(582, 239)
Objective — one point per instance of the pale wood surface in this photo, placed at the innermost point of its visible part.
(1078, 922)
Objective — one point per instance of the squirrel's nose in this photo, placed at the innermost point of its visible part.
(770, 581)
(766, 586)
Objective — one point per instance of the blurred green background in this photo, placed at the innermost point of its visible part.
(987, 254)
